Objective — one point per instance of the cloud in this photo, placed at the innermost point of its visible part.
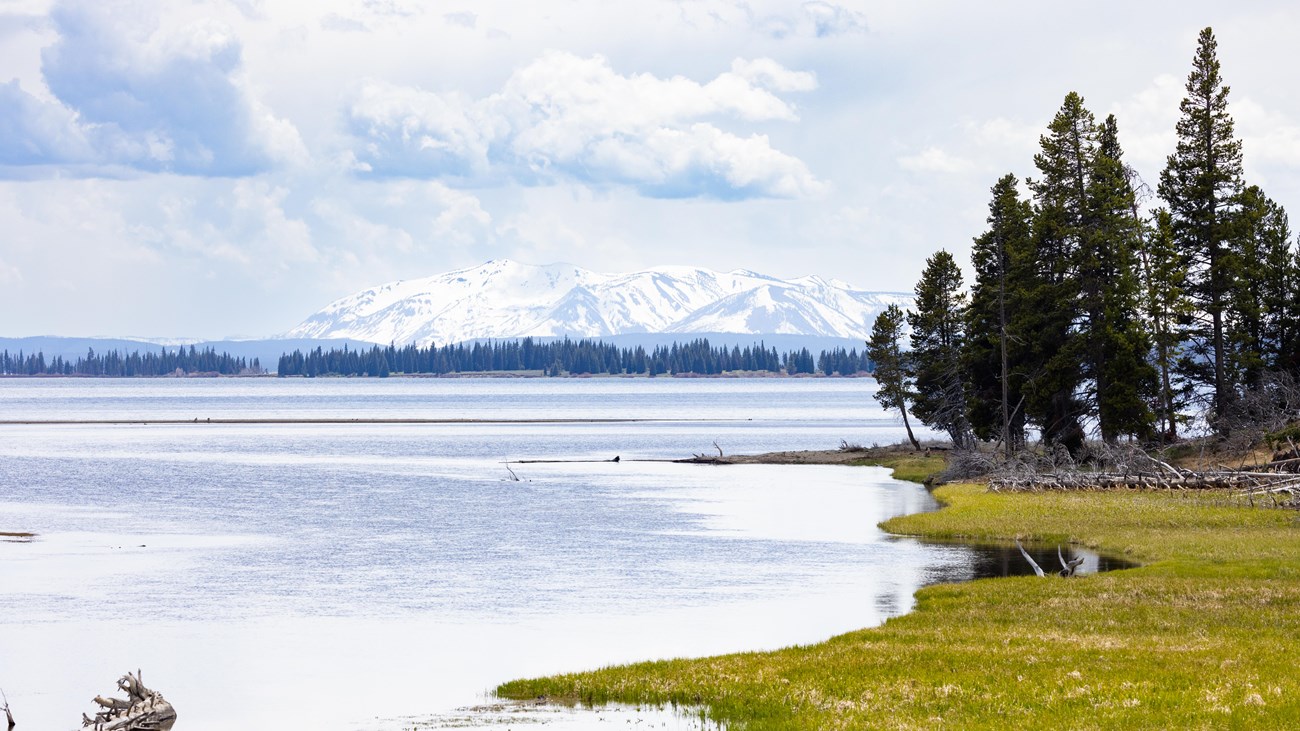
(772, 75)
(565, 117)
(372, 15)
(816, 19)
(1268, 137)
(245, 224)
(464, 20)
(403, 215)
(828, 19)
(408, 132)
(342, 24)
(935, 160)
(1147, 119)
(34, 132)
(9, 274)
(128, 92)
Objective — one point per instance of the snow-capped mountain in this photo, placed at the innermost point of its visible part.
(507, 299)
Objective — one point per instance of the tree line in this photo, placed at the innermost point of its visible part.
(116, 363)
(569, 357)
(1092, 311)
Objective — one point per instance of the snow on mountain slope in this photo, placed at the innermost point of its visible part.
(507, 299)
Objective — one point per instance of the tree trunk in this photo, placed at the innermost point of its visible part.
(915, 444)
(1002, 336)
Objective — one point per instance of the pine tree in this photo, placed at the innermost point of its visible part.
(992, 354)
(1052, 307)
(938, 329)
(891, 371)
(1165, 305)
(1202, 183)
(1263, 313)
(1114, 346)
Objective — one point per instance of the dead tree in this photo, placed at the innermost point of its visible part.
(143, 709)
(1067, 567)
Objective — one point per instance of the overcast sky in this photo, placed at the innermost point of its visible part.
(213, 169)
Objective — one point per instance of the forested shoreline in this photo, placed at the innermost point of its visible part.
(119, 364)
(526, 356)
(572, 357)
(1093, 313)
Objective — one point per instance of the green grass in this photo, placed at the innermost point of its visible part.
(912, 467)
(1206, 634)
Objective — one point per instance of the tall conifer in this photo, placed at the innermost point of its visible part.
(891, 367)
(1202, 183)
(1114, 345)
(1263, 314)
(938, 331)
(1002, 258)
(1048, 321)
(1165, 306)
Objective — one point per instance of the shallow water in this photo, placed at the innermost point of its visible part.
(372, 576)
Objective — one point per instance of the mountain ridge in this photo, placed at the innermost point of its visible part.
(502, 299)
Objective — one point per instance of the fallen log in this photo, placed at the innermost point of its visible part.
(1225, 479)
(143, 710)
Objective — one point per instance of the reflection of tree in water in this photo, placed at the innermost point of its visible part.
(995, 560)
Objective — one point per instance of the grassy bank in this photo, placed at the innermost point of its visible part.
(1205, 635)
(912, 466)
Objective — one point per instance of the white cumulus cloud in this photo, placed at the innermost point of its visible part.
(128, 90)
(934, 160)
(566, 117)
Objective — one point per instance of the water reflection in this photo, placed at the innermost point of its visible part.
(510, 714)
(269, 563)
(993, 560)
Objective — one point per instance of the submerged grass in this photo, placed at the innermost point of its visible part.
(1205, 635)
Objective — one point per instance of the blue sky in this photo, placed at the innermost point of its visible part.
(212, 169)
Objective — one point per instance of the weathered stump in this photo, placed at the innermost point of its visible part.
(143, 709)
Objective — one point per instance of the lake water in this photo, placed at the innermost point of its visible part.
(380, 576)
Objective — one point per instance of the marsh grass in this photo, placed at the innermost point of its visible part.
(912, 467)
(1204, 635)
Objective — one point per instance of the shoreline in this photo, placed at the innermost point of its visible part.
(328, 420)
(1201, 634)
(461, 374)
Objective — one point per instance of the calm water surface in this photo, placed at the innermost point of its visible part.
(375, 576)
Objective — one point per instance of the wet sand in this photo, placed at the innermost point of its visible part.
(850, 456)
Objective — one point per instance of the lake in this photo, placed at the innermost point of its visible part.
(380, 576)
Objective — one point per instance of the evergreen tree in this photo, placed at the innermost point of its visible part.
(938, 329)
(1262, 319)
(1114, 346)
(992, 355)
(1047, 322)
(1202, 183)
(891, 372)
(1165, 305)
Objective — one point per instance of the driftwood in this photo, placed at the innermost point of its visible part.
(143, 709)
(1176, 480)
(706, 459)
(1067, 567)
